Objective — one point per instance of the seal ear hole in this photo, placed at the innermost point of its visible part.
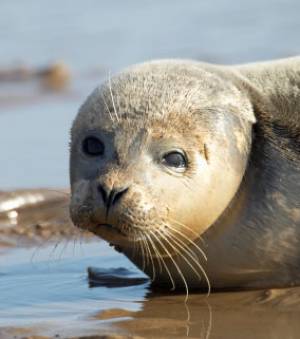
(206, 152)
(92, 146)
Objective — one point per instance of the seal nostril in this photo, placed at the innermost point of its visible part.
(116, 194)
(103, 193)
(112, 197)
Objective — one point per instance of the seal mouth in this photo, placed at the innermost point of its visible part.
(111, 233)
(106, 225)
(112, 228)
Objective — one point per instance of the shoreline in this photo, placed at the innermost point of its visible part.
(34, 216)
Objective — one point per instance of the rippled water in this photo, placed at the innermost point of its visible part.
(49, 286)
(48, 291)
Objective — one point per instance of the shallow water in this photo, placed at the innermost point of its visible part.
(47, 288)
(46, 291)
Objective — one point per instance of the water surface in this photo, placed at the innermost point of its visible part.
(46, 291)
(48, 287)
(93, 37)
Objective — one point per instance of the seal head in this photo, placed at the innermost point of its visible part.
(157, 154)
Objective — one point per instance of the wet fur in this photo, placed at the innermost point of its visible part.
(255, 242)
(263, 221)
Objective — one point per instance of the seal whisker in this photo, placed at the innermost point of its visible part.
(174, 262)
(64, 249)
(112, 98)
(195, 261)
(54, 248)
(151, 258)
(81, 240)
(145, 248)
(189, 229)
(185, 245)
(75, 238)
(178, 252)
(109, 112)
(143, 255)
(134, 243)
(189, 240)
(163, 261)
(155, 251)
(37, 249)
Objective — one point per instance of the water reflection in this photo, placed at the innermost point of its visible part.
(228, 315)
(114, 277)
(50, 292)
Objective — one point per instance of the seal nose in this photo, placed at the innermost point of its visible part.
(111, 197)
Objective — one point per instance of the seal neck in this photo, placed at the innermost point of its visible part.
(256, 235)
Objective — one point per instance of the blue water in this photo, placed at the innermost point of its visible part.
(50, 285)
(51, 290)
(93, 37)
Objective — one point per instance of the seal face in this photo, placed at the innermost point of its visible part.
(158, 154)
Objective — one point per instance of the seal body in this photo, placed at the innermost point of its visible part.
(192, 170)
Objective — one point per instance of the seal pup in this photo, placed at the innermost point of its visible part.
(192, 170)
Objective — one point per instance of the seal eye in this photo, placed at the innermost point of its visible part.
(93, 146)
(175, 159)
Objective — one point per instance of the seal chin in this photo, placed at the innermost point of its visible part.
(112, 228)
(112, 234)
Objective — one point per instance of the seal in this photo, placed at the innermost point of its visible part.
(192, 170)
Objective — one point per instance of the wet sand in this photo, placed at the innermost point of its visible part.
(30, 217)
(57, 282)
(54, 293)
